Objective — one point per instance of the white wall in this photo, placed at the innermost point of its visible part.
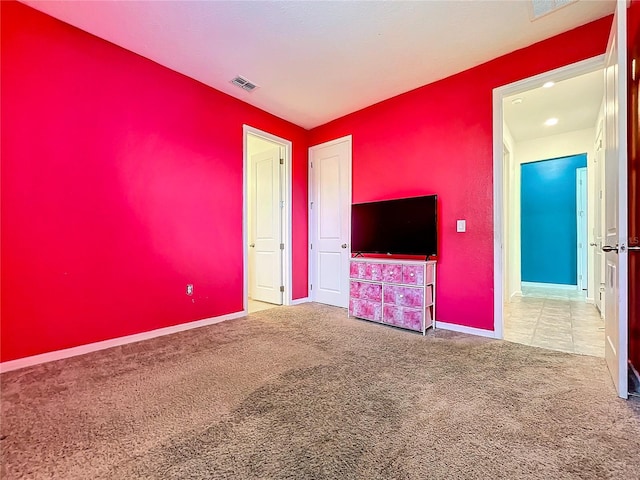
(554, 146)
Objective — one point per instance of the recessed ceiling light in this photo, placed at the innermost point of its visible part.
(548, 84)
(517, 101)
(551, 122)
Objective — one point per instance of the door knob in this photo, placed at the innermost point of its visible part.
(608, 248)
(344, 245)
(252, 245)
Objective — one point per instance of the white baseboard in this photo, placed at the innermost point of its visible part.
(592, 301)
(298, 301)
(517, 293)
(550, 285)
(463, 329)
(113, 342)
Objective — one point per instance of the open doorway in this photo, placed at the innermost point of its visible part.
(267, 221)
(547, 277)
(615, 193)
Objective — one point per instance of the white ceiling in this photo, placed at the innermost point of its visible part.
(574, 102)
(318, 60)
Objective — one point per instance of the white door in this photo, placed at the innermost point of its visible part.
(265, 232)
(598, 258)
(616, 324)
(330, 214)
(581, 214)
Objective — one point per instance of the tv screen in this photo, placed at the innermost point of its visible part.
(406, 226)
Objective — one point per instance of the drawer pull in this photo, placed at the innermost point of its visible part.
(411, 274)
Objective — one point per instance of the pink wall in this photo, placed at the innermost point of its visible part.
(121, 183)
(438, 139)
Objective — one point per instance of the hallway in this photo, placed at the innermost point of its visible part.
(554, 318)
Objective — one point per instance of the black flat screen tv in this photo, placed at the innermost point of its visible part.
(406, 226)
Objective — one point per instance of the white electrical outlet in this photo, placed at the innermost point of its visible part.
(461, 226)
(189, 289)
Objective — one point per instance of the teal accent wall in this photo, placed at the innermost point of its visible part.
(549, 220)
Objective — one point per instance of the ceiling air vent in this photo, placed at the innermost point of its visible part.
(244, 83)
(540, 8)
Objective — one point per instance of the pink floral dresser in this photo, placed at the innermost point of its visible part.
(401, 293)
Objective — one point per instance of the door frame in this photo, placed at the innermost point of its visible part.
(507, 158)
(312, 213)
(599, 212)
(582, 230)
(287, 270)
(499, 93)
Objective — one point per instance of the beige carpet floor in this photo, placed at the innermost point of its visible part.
(306, 393)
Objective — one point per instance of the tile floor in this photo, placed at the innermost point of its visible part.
(557, 319)
(256, 306)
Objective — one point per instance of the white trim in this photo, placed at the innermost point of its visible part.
(559, 74)
(582, 236)
(311, 212)
(330, 143)
(299, 301)
(113, 342)
(287, 278)
(562, 286)
(454, 327)
(310, 228)
(498, 202)
(589, 300)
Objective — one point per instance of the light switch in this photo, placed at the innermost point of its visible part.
(461, 226)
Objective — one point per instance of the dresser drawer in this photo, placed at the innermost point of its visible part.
(365, 270)
(392, 272)
(413, 274)
(365, 290)
(373, 271)
(403, 317)
(365, 309)
(404, 296)
(356, 269)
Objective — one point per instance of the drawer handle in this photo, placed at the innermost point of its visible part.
(411, 275)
